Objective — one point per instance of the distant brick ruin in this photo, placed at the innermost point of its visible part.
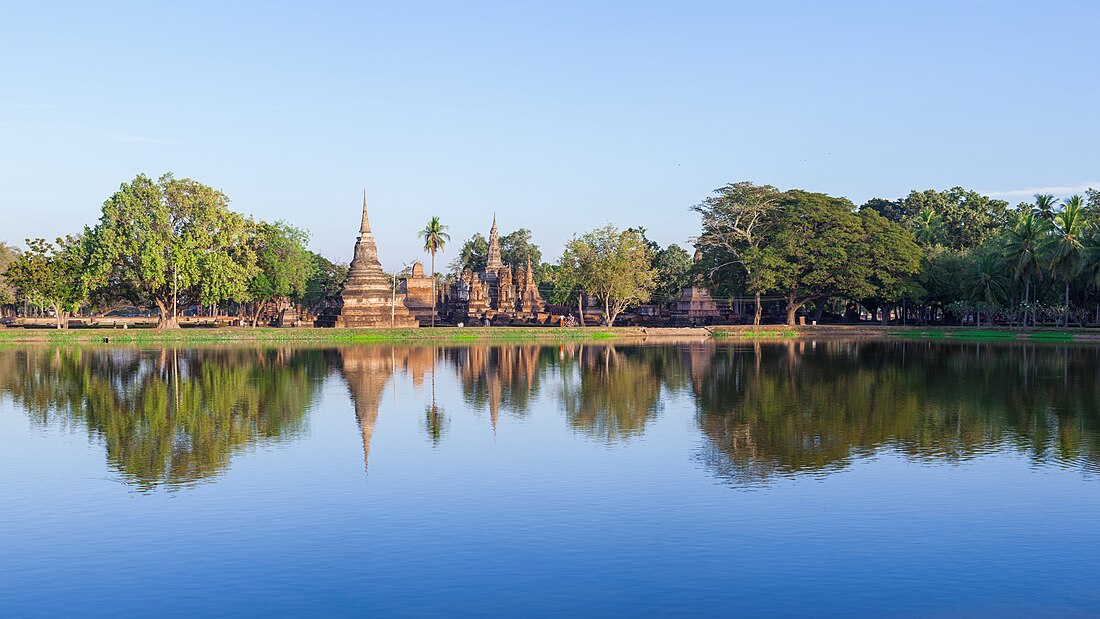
(495, 294)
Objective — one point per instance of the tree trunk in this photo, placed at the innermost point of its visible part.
(257, 307)
(1027, 297)
(580, 309)
(758, 313)
(1065, 322)
(792, 309)
(433, 293)
(166, 320)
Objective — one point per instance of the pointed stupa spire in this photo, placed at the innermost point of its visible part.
(493, 263)
(364, 228)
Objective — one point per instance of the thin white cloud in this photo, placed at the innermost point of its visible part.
(29, 106)
(1064, 190)
(140, 139)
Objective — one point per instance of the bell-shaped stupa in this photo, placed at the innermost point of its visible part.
(367, 298)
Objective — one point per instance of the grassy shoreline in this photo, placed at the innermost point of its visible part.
(536, 334)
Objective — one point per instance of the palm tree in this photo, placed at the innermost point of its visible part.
(1023, 249)
(1044, 205)
(434, 240)
(1090, 259)
(929, 228)
(433, 414)
(1069, 224)
(988, 282)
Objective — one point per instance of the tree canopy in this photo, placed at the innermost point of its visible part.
(172, 240)
(52, 275)
(8, 255)
(615, 266)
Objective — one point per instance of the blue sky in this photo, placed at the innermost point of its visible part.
(559, 117)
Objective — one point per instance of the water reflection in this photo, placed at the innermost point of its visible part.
(807, 407)
(608, 393)
(168, 416)
(366, 370)
(176, 416)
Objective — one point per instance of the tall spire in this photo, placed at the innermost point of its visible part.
(364, 228)
(492, 261)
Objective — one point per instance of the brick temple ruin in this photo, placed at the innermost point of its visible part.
(496, 294)
(367, 298)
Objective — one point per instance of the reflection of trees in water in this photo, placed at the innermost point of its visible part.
(789, 408)
(608, 392)
(168, 417)
(171, 417)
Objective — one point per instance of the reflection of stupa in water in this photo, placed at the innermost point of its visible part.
(366, 370)
(492, 376)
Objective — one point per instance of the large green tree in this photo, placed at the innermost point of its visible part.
(517, 251)
(172, 242)
(473, 254)
(8, 255)
(891, 258)
(324, 280)
(943, 278)
(736, 223)
(958, 218)
(284, 265)
(52, 275)
(673, 265)
(615, 266)
(811, 252)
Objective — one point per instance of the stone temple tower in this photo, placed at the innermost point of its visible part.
(493, 262)
(366, 299)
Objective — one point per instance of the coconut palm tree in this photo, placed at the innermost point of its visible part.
(1066, 245)
(433, 413)
(1023, 251)
(988, 282)
(434, 240)
(929, 228)
(1090, 258)
(1045, 204)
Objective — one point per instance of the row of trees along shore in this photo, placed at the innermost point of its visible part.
(170, 244)
(931, 256)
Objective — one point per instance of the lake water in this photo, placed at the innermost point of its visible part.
(822, 478)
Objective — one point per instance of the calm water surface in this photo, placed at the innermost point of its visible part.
(824, 478)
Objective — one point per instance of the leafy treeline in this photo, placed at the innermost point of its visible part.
(171, 243)
(932, 255)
